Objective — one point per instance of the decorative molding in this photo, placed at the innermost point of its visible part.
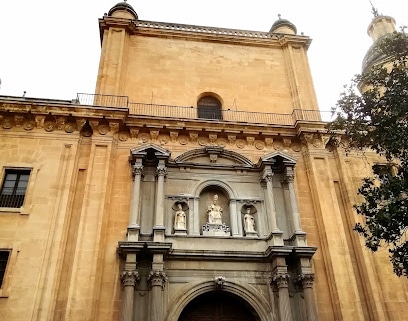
(280, 280)
(157, 278)
(213, 139)
(137, 169)
(269, 142)
(161, 170)
(219, 282)
(154, 135)
(306, 280)
(173, 136)
(129, 278)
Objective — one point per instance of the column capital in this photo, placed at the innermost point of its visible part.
(289, 172)
(137, 169)
(280, 280)
(161, 170)
(157, 278)
(267, 175)
(306, 280)
(129, 278)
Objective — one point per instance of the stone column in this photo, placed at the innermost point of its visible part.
(306, 280)
(133, 226)
(289, 177)
(299, 237)
(268, 176)
(280, 280)
(157, 281)
(128, 279)
(159, 213)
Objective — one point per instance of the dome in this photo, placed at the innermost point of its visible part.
(283, 26)
(123, 10)
(379, 28)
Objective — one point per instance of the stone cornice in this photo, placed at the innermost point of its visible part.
(200, 33)
(30, 114)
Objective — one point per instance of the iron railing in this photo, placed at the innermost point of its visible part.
(102, 100)
(11, 197)
(192, 113)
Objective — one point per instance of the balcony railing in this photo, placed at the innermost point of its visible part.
(191, 113)
(12, 198)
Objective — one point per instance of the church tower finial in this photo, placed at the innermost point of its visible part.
(374, 10)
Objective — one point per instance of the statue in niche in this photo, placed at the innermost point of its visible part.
(249, 222)
(214, 212)
(180, 218)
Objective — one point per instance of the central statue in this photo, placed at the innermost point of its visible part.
(214, 225)
(214, 212)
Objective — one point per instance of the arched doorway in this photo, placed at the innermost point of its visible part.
(218, 306)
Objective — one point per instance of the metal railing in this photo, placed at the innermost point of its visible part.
(12, 198)
(192, 113)
(102, 100)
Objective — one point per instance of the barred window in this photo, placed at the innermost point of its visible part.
(14, 188)
(4, 256)
(209, 107)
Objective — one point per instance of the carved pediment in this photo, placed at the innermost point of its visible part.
(158, 151)
(278, 160)
(213, 156)
(149, 152)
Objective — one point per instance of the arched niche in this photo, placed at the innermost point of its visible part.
(204, 194)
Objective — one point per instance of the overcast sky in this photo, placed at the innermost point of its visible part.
(51, 49)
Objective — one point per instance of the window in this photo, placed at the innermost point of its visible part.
(209, 107)
(4, 256)
(14, 188)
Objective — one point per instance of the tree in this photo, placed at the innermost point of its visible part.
(373, 113)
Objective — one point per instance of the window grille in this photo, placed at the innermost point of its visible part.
(14, 188)
(209, 107)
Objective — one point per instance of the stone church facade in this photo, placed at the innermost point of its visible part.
(197, 183)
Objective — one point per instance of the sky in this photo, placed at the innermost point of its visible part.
(51, 49)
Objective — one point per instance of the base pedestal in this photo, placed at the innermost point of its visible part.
(216, 230)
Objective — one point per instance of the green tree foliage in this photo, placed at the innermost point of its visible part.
(373, 114)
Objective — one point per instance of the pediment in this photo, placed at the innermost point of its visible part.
(158, 151)
(277, 160)
(213, 156)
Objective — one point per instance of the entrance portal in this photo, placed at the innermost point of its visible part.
(218, 306)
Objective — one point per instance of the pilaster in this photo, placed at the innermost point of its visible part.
(335, 253)
(298, 236)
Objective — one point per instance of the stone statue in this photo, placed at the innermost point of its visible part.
(249, 222)
(214, 212)
(180, 218)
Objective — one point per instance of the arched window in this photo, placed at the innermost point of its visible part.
(209, 107)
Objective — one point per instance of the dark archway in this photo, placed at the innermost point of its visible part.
(218, 306)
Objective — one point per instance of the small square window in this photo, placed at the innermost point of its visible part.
(14, 188)
(4, 257)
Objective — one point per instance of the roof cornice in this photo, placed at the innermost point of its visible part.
(202, 33)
